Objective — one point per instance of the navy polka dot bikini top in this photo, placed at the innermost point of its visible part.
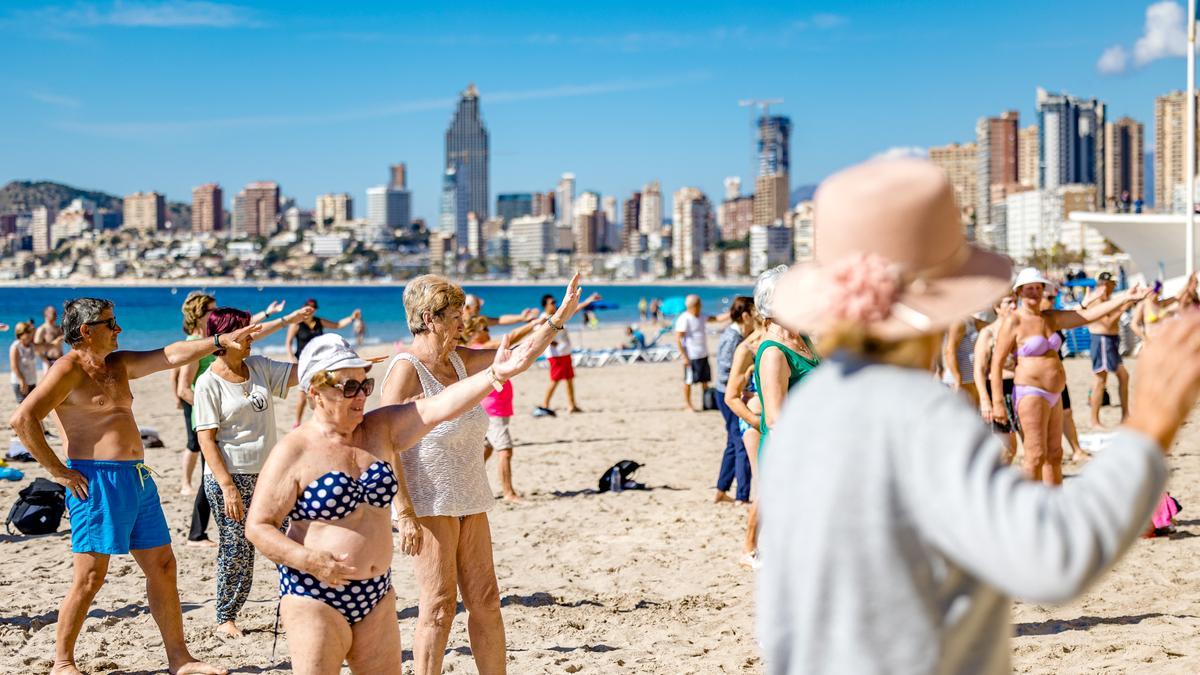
(336, 495)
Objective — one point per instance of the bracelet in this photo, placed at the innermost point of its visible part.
(550, 320)
(217, 341)
(496, 383)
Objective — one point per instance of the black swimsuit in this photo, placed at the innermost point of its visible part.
(305, 333)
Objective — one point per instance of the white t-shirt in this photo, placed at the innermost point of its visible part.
(562, 342)
(694, 341)
(26, 362)
(242, 414)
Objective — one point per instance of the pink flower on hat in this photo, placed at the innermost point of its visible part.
(861, 287)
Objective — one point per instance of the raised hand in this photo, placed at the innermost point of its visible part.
(303, 314)
(240, 339)
(275, 307)
(510, 362)
(530, 314)
(570, 301)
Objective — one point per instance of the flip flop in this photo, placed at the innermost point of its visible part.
(9, 473)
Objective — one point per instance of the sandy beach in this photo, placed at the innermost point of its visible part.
(637, 582)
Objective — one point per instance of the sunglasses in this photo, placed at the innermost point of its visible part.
(350, 388)
(111, 323)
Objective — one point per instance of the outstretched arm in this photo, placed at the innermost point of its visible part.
(337, 325)
(141, 364)
(540, 336)
(291, 319)
(1066, 319)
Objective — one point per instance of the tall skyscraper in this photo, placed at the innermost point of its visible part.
(692, 223)
(1070, 141)
(334, 208)
(612, 223)
(1124, 163)
(453, 216)
(1027, 156)
(543, 204)
(256, 210)
(514, 205)
(632, 240)
(41, 226)
(589, 226)
(735, 217)
(145, 211)
(399, 176)
(961, 164)
(467, 153)
(651, 216)
(208, 211)
(1170, 121)
(774, 138)
(770, 198)
(997, 161)
(564, 200)
(388, 208)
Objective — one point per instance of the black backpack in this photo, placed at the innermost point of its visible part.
(39, 508)
(625, 469)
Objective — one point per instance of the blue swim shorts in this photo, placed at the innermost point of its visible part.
(122, 512)
(1106, 353)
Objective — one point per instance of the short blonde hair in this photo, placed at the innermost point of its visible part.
(23, 328)
(429, 293)
(319, 378)
(193, 310)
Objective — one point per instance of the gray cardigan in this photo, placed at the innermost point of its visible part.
(892, 538)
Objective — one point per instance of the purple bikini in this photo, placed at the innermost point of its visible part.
(1037, 346)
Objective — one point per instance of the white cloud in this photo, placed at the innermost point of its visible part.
(54, 99)
(1113, 61)
(903, 152)
(1164, 36)
(140, 14)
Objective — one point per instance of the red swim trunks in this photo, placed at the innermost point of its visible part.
(561, 368)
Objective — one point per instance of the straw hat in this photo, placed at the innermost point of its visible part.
(890, 254)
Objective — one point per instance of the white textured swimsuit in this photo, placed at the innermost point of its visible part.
(444, 471)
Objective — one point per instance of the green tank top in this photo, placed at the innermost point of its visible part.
(798, 367)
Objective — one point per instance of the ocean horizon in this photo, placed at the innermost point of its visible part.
(150, 317)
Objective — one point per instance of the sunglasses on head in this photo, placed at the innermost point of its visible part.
(350, 388)
(111, 323)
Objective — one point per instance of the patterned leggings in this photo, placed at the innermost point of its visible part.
(235, 555)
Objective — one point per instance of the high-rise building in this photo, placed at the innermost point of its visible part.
(997, 155)
(256, 210)
(388, 208)
(735, 217)
(1027, 156)
(1170, 121)
(452, 218)
(41, 227)
(804, 232)
(1070, 141)
(543, 204)
(961, 163)
(564, 199)
(691, 224)
(633, 241)
(1124, 164)
(612, 223)
(334, 208)
(467, 153)
(399, 176)
(770, 245)
(774, 138)
(530, 240)
(145, 211)
(443, 253)
(475, 241)
(651, 216)
(514, 205)
(589, 227)
(770, 198)
(208, 208)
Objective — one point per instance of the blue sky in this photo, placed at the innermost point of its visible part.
(154, 95)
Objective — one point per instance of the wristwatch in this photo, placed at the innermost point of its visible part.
(217, 341)
(496, 383)
(550, 320)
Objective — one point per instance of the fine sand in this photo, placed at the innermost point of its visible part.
(639, 582)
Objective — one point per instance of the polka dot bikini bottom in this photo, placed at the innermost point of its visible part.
(354, 599)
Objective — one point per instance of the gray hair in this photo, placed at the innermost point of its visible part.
(764, 291)
(79, 311)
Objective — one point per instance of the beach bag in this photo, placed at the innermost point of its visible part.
(622, 471)
(710, 399)
(39, 508)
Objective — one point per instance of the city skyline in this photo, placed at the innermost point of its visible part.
(551, 105)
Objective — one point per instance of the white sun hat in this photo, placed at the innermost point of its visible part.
(1032, 275)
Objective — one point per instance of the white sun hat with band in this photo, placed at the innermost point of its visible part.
(890, 254)
(1032, 275)
(328, 352)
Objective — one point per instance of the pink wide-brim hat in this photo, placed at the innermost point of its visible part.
(897, 219)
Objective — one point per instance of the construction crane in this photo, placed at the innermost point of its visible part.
(764, 106)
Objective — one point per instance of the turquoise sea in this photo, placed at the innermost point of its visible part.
(150, 315)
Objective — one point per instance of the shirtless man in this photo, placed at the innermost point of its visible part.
(1106, 349)
(112, 497)
(49, 337)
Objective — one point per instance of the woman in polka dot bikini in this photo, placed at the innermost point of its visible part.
(333, 477)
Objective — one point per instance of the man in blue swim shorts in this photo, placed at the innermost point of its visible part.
(1106, 349)
(111, 495)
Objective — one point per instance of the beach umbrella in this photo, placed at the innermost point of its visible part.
(674, 305)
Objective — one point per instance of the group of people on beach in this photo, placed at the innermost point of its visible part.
(320, 501)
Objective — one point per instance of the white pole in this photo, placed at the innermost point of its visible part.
(1190, 151)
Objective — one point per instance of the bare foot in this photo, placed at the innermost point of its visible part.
(192, 666)
(750, 561)
(230, 629)
(186, 490)
(513, 497)
(575, 409)
(721, 496)
(201, 543)
(1080, 457)
(65, 668)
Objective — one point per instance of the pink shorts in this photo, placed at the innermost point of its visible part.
(561, 368)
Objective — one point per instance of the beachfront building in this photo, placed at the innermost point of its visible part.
(564, 199)
(1070, 142)
(145, 211)
(1027, 156)
(1124, 164)
(388, 207)
(692, 224)
(803, 232)
(256, 210)
(588, 224)
(961, 164)
(650, 215)
(334, 209)
(208, 209)
(770, 198)
(530, 240)
(997, 160)
(774, 141)
(514, 205)
(1170, 121)
(543, 204)
(770, 245)
(467, 154)
(633, 241)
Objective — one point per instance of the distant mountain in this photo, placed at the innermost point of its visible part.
(803, 194)
(23, 195)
